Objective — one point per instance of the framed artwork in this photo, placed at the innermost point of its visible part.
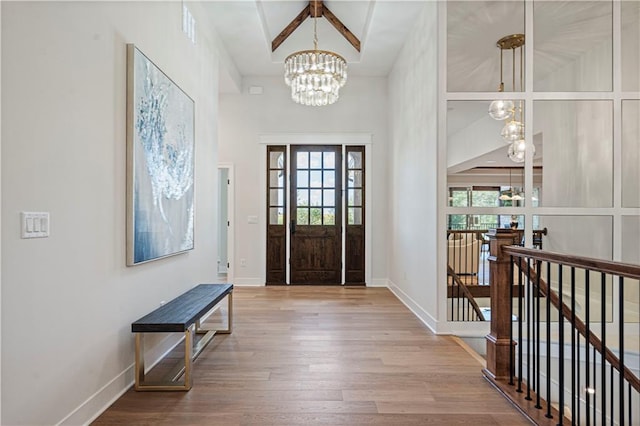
(160, 163)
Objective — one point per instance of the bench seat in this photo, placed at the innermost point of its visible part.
(181, 315)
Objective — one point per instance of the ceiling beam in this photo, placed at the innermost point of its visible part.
(315, 9)
(306, 12)
(342, 29)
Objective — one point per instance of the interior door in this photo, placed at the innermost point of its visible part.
(316, 215)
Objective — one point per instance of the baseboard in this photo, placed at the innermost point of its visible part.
(417, 310)
(379, 282)
(97, 403)
(248, 282)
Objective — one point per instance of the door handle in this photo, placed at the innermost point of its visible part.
(293, 227)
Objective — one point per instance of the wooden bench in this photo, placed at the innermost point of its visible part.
(181, 315)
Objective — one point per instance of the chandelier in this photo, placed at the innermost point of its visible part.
(315, 76)
(507, 110)
(511, 194)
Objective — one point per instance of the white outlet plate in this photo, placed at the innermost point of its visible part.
(34, 224)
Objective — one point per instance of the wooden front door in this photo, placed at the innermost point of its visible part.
(316, 215)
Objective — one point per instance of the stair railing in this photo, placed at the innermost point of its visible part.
(463, 305)
(588, 378)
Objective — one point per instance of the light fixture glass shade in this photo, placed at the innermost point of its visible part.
(501, 109)
(504, 197)
(513, 131)
(514, 154)
(315, 76)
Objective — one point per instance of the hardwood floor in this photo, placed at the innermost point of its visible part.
(324, 356)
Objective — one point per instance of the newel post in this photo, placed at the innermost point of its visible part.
(500, 348)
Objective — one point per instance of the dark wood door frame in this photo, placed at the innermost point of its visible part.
(351, 251)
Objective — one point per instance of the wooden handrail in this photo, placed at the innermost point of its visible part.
(466, 292)
(626, 270)
(578, 324)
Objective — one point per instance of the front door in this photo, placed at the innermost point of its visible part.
(316, 215)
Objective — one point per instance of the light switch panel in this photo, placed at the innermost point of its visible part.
(34, 224)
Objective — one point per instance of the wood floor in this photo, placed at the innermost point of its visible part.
(324, 356)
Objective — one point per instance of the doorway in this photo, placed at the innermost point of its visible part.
(315, 244)
(225, 225)
(315, 210)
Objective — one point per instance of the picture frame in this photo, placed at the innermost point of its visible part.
(160, 163)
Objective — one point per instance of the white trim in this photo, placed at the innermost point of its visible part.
(262, 214)
(368, 213)
(379, 282)
(249, 282)
(316, 139)
(441, 231)
(414, 307)
(231, 217)
(96, 404)
(341, 139)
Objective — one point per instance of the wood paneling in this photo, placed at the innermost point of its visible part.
(324, 356)
(354, 255)
(276, 255)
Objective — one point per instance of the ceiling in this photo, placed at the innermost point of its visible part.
(247, 28)
(564, 31)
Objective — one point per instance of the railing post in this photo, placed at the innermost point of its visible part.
(499, 344)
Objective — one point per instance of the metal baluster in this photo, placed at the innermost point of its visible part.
(630, 405)
(528, 307)
(537, 294)
(577, 395)
(573, 343)
(611, 371)
(587, 379)
(519, 325)
(560, 349)
(453, 287)
(603, 322)
(595, 386)
(621, 355)
(465, 301)
(549, 415)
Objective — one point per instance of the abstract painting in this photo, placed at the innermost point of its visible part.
(160, 163)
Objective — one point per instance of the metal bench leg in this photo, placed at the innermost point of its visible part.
(229, 315)
(182, 370)
(139, 361)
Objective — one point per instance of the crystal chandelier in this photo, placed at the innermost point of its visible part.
(507, 110)
(315, 76)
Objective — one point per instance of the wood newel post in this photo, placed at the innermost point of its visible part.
(500, 348)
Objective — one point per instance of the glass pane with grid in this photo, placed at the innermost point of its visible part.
(276, 185)
(315, 188)
(355, 187)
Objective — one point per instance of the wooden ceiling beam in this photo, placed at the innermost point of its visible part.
(342, 29)
(316, 8)
(280, 38)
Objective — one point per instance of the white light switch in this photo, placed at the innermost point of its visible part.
(34, 224)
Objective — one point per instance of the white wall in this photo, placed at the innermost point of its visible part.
(361, 108)
(0, 215)
(413, 159)
(68, 300)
